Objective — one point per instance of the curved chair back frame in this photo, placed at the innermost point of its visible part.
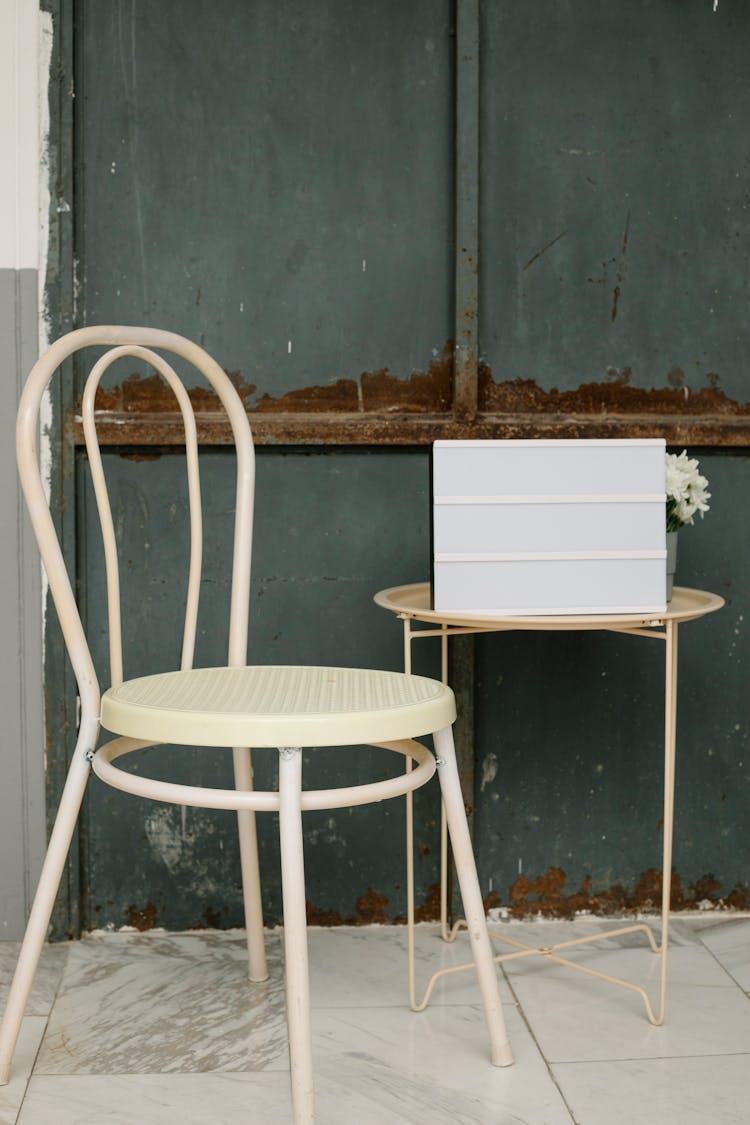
(135, 342)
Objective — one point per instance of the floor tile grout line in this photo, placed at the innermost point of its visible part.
(46, 1017)
(553, 1067)
(36, 1057)
(721, 964)
(650, 1059)
(529, 1028)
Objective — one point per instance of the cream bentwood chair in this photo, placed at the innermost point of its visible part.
(234, 706)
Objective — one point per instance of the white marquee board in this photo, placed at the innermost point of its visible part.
(548, 527)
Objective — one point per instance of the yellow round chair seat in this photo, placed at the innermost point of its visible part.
(277, 705)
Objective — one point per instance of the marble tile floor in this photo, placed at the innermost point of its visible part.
(155, 1028)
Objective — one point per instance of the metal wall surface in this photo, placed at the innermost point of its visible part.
(270, 179)
(297, 186)
(570, 729)
(615, 196)
(329, 530)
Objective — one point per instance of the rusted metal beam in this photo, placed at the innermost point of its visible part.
(380, 408)
(465, 379)
(165, 428)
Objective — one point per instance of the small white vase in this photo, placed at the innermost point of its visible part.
(671, 561)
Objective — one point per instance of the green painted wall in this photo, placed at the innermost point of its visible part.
(330, 530)
(570, 736)
(256, 174)
(252, 174)
(614, 157)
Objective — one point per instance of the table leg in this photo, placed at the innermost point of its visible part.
(670, 742)
(444, 927)
(410, 850)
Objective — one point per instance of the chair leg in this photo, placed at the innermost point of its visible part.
(295, 936)
(243, 779)
(463, 856)
(41, 911)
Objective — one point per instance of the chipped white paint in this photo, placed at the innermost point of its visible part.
(44, 58)
(489, 771)
(43, 61)
(165, 836)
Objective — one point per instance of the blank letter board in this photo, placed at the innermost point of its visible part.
(549, 527)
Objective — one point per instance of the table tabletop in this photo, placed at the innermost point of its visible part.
(414, 601)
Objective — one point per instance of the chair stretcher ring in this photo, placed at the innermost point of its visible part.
(261, 800)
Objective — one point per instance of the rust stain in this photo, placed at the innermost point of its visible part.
(141, 918)
(446, 401)
(545, 895)
(737, 898)
(620, 273)
(491, 900)
(150, 394)
(375, 392)
(429, 911)
(609, 397)
(370, 907)
(338, 397)
(210, 920)
(316, 917)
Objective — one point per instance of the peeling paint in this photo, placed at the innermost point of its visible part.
(164, 836)
(45, 32)
(489, 771)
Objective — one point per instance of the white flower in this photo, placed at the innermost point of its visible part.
(686, 490)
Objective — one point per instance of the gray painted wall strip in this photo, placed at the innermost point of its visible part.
(22, 817)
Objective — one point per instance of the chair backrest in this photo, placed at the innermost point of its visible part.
(138, 343)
